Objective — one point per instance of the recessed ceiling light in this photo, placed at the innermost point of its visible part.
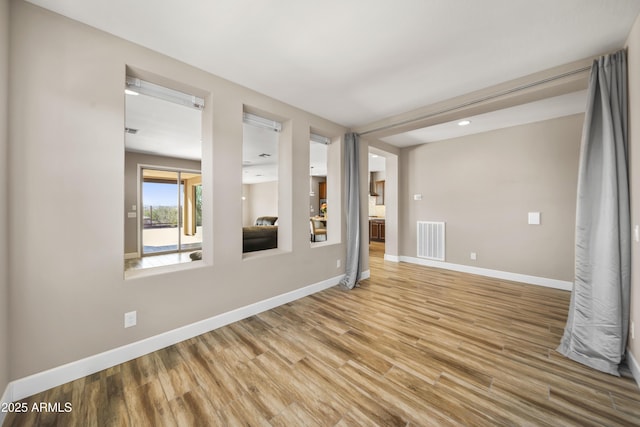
(130, 92)
(374, 155)
(464, 122)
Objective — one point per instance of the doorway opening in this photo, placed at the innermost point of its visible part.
(377, 204)
(383, 204)
(172, 211)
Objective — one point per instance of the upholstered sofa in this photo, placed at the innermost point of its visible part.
(263, 235)
(266, 220)
(259, 238)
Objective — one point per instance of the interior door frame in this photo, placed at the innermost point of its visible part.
(140, 207)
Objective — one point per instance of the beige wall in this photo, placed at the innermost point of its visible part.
(484, 185)
(4, 275)
(66, 135)
(262, 200)
(633, 46)
(131, 162)
(246, 212)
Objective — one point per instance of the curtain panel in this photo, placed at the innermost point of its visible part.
(352, 195)
(597, 325)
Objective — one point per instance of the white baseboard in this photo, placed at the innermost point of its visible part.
(36, 383)
(392, 258)
(365, 274)
(634, 367)
(515, 277)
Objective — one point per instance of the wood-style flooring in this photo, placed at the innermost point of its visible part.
(411, 346)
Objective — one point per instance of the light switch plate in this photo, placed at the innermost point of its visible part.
(534, 218)
(417, 197)
(130, 319)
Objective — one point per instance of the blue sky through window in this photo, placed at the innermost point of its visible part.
(159, 194)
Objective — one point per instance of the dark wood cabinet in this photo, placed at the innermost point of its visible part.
(376, 230)
(322, 190)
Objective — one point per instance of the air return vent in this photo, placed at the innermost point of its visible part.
(431, 240)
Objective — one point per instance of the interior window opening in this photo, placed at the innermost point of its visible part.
(318, 185)
(163, 181)
(260, 181)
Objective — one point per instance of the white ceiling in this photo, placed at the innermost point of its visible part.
(163, 128)
(358, 61)
(259, 154)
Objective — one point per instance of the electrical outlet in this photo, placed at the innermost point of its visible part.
(338, 263)
(130, 319)
(473, 256)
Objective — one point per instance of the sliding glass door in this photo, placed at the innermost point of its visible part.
(172, 211)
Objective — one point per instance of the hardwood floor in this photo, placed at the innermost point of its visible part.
(411, 346)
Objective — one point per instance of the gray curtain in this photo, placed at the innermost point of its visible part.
(352, 193)
(597, 326)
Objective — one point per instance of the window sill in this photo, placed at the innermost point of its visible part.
(323, 243)
(154, 271)
(263, 254)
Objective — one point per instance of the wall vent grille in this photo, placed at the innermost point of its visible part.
(431, 240)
